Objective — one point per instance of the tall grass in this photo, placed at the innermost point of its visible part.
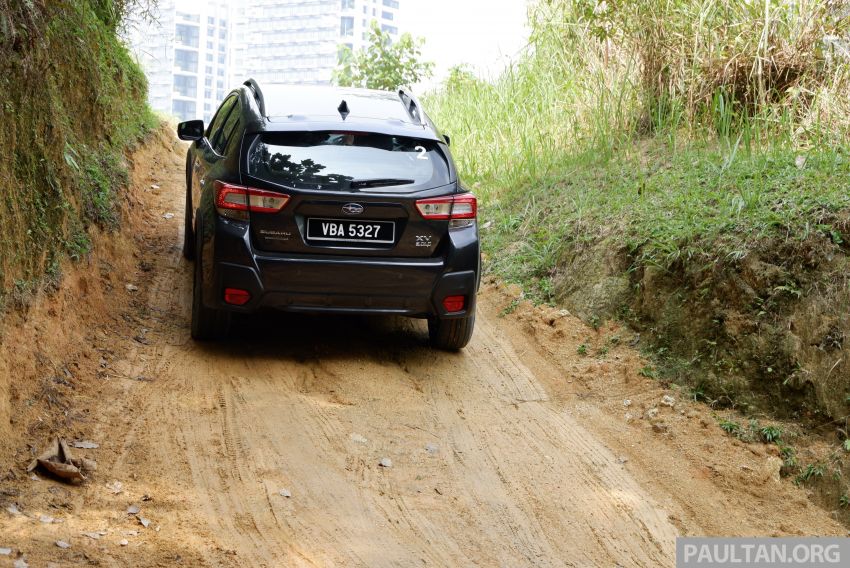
(597, 75)
(680, 130)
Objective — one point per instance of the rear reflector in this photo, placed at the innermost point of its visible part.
(239, 198)
(463, 206)
(236, 296)
(454, 303)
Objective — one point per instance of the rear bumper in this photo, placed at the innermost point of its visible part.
(340, 284)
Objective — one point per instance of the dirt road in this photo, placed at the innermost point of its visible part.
(518, 451)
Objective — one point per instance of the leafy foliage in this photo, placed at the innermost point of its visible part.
(73, 102)
(383, 64)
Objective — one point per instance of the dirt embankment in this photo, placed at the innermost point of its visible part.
(267, 450)
(763, 334)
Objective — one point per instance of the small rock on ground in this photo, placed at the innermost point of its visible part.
(385, 462)
(285, 493)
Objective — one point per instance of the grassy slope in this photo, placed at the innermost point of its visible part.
(699, 204)
(675, 165)
(73, 102)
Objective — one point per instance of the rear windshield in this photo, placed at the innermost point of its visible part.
(348, 161)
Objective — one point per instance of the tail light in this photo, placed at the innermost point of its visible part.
(460, 210)
(235, 201)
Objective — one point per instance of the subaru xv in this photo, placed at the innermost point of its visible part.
(328, 200)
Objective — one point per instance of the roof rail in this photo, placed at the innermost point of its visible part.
(411, 105)
(258, 95)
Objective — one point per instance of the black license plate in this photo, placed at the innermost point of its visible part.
(350, 231)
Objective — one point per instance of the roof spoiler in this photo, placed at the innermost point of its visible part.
(258, 95)
(411, 105)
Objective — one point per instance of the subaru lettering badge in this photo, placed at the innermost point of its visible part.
(352, 209)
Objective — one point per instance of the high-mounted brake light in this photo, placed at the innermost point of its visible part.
(451, 207)
(240, 198)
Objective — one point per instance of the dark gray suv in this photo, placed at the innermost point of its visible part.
(324, 199)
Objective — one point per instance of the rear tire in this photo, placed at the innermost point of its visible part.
(207, 323)
(450, 334)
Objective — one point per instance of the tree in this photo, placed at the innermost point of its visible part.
(383, 64)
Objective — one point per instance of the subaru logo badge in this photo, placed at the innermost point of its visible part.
(352, 209)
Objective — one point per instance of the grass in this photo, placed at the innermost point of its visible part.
(696, 204)
(73, 103)
(685, 130)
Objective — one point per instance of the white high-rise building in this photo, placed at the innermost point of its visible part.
(186, 56)
(297, 41)
(195, 51)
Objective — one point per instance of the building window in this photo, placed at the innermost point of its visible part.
(184, 110)
(365, 9)
(220, 72)
(346, 26)
(208, 81)
(185, 85)
(208, 70)
(387, 15)
(222, 23)
(347, 4)
(392, 30)
(221, 47)
(220, 85)
(222, 34)
(187, 35)
(210, 21)
(391, 4)
(221, 58)
(186, 60)
(208, 94)
(210, 57)
(210, 31)
(188, 17)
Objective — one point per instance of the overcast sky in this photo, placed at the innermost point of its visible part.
(483, 33)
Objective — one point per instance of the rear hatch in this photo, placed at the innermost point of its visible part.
(350, 193)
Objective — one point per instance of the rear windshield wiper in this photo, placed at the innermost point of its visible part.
(379, 182)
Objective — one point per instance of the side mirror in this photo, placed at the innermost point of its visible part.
(447, 139)
(191, 130)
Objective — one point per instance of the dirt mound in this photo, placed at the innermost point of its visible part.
(53, 363)
(765, 331)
